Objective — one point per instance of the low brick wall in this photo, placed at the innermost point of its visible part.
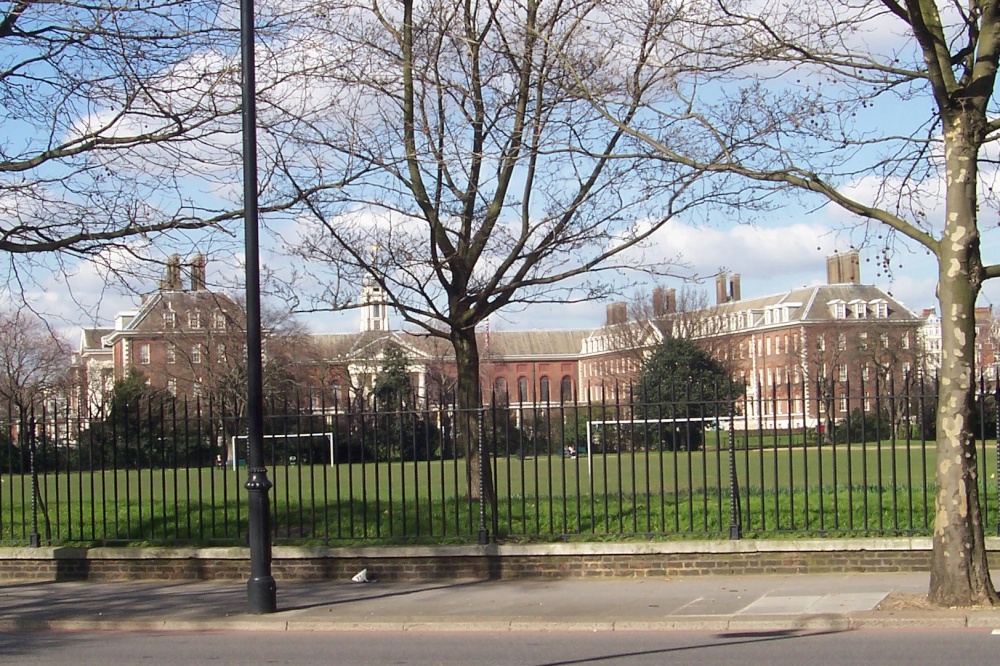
(603, 560)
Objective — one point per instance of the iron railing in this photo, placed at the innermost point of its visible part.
(827, 459)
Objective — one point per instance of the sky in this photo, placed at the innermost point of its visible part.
(784, 251)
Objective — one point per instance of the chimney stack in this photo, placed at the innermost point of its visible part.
(617, 313)
(727, 288)
(198, 273)
(844, 268)
(720, 289)
(172, 280)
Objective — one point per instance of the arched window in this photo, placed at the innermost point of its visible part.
(500, 388)
(543, 389)
(566, 389)
(522, 389)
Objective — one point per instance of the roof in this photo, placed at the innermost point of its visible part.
(148, 317)
(500, 344)
(804, 305)
(526, 344)
(91, 339)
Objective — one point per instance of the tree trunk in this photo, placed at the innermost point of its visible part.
(467, 426)
(959, 570)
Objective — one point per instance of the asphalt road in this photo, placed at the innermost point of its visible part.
(791, 648)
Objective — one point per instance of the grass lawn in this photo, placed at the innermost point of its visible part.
(872, 489)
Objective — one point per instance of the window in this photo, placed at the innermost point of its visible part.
(905, 340)
(219, 321)
(522, 389)
(197, 388)
(842, 372)
(841, 341)
(220, 353)
(543, 389)
(335, 391)
(171, 353)
(881, 309)
(194, 320)
(172, 386)
(500, 387)
(821, 343)
(144, 354)
(883, 339)
(196, 353)
(767, 347)
(566, 389)
(169, 320)
(863, 336)
(864, 372)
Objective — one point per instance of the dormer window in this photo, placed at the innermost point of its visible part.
(219, 321)
(170, 320)
(880, 308)
(859, 309)
(838, 309)
(194, 319)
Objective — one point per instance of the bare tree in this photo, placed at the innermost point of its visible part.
(883, 108)
(486, 181)
(34, 362)
(121, 130)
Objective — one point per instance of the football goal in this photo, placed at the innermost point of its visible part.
(290, 449)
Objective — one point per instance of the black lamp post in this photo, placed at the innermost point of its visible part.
(261, 590)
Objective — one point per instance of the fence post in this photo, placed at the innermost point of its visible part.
(735, 518)
(484, 533)
(996, 408)
(34, 539)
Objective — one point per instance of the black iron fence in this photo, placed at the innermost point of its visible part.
(828, 459)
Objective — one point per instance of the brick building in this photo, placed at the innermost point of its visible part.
(798, 351)
(183, 338)
(805, 354)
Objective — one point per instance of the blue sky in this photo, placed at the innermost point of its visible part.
(785, 250)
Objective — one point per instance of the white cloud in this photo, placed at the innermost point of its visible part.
(752, 251)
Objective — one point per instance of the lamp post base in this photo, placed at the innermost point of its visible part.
(262, 595)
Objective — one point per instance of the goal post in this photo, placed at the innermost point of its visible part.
(632, 422)
(234, 451)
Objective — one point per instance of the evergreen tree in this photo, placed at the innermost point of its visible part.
(680, 381)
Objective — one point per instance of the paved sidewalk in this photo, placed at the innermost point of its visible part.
(712, 603)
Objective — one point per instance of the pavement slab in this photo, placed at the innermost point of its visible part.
(705, 603)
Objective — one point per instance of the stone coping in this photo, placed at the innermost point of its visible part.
(578, 549)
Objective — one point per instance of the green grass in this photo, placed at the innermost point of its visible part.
(795, 491)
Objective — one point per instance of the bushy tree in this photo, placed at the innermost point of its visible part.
(680, 381)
